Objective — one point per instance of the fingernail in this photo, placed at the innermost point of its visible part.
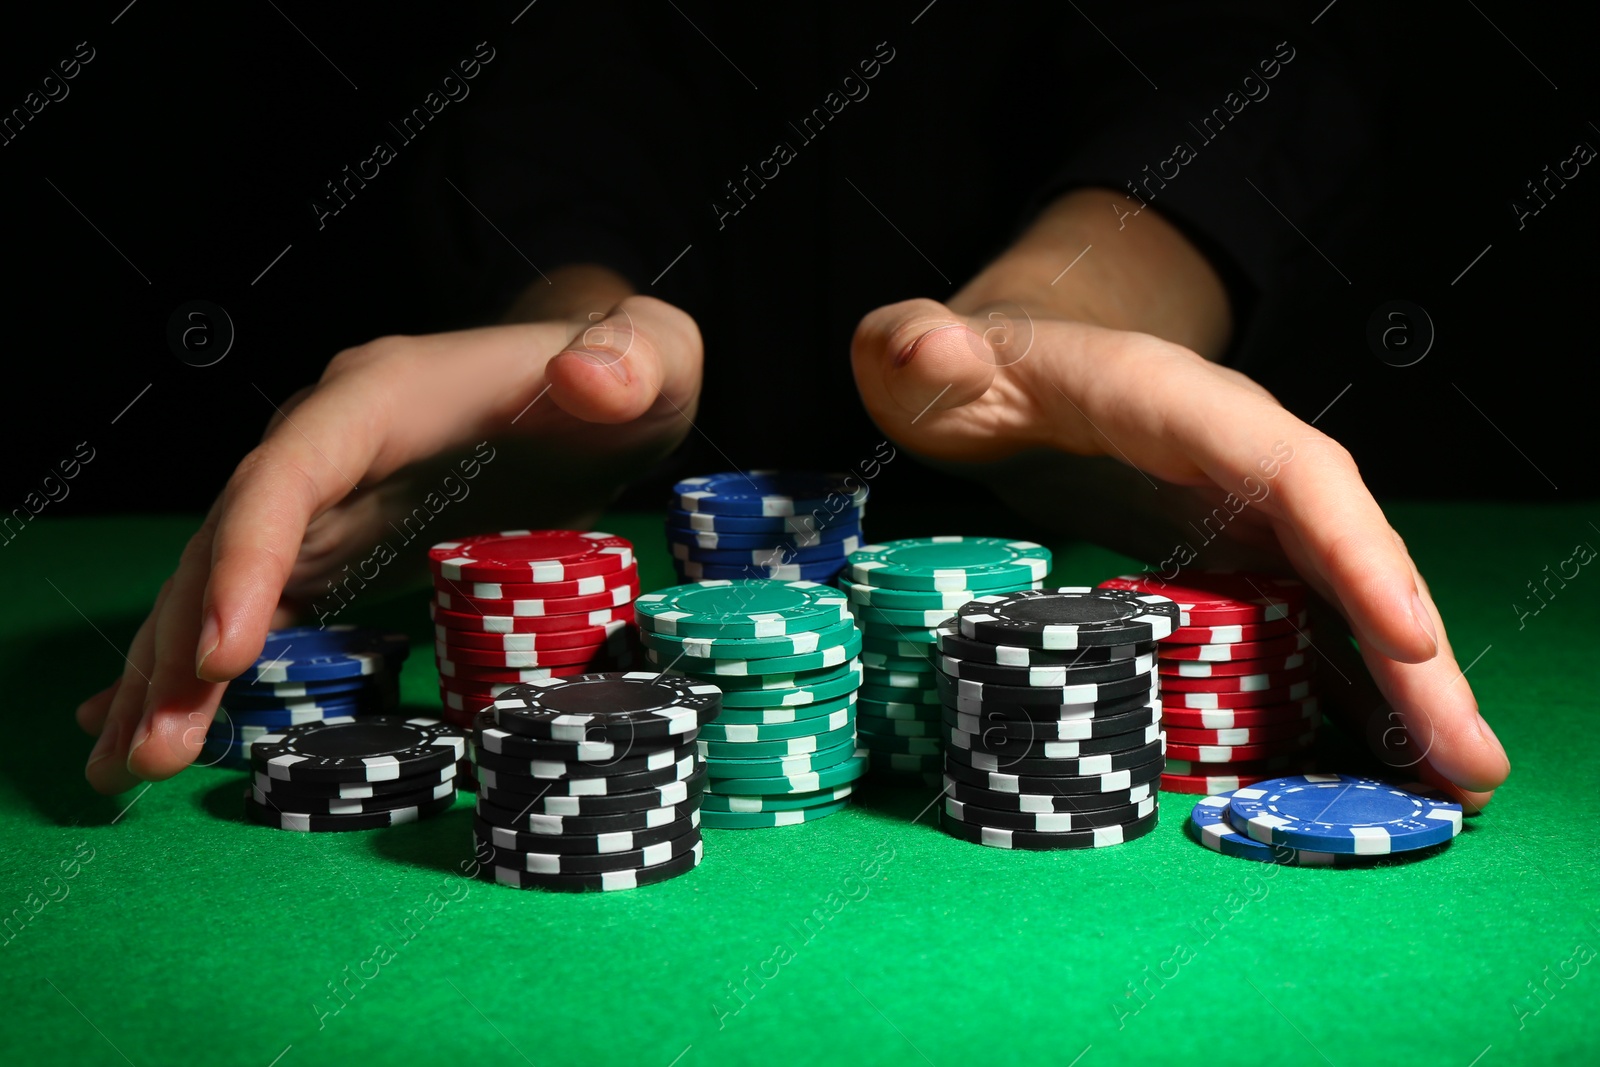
(910, 351)
(1424, 620)
(1487, 733)
(141, 732)
(210, 638)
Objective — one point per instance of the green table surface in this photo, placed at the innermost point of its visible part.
(158, 927)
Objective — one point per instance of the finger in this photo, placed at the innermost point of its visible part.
(921, 357)
(616, 367)
(106, 769)
(91, 714)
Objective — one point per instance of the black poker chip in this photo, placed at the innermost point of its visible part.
(616, 706)
(951, 642)
(1053, 784)
(411, 783)
(1045, 676)
(1039, 803)
(632, 878)
(1044, 752)
(990, 725)
(308, 805)
(284, 820)
(370, 749)
(524, 840)
(1103, 763)
(1049, 822)
(1000, 837)
(504, 809)
(634, 763)
(544, 862)
(1090, 693)
(1068, 617)
(490, 738)
(545, 802)
(1047, 712)
(604, 785)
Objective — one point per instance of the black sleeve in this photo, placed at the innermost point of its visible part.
(1219, 116)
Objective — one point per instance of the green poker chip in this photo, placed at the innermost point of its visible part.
(756, 820)
(713, 670)
(904, 762)
(807, 712)
(781, 747)
(747, 608)
(906, 618)
(795, 644)
(898, 710)
(785, 766)
(914, 746)
(873, 596)
(897, 679)
(738, 733)
(936, 564)
(789, 785)
(927, 697)
(879, 662)
(876, 726)
(886, 638)
(710, 802)
(821, 685)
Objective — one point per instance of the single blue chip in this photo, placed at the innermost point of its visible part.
(769, 493)
(841, 519)
(770, 553)
(719, 541)
(1343, 813)
(1208, 824)
(309, 654)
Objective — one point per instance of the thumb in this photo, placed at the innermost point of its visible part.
(619, 363)
(916, 359)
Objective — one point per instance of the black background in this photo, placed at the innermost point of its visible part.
(196, 138)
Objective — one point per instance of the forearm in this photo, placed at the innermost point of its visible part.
(1139, 273)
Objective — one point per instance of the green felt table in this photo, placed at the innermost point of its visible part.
(158, 927)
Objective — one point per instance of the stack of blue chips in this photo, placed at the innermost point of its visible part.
(306, 674)
(788, 526)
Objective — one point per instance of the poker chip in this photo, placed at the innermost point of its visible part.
(728, 733)
(1343, 814)
(779, 715)
(580, 637)
(804, 745)
(716, 803)
(673, 794)
(896, 744)
(698, 531)
(1051, 712)
(571, 863)
(308, 654)
(951, 642)
(632, 759)
(1208, 824)
(782, 552)
(425, 782)
(799, 643)
(530, 556)
(894, 619)
(875, 726)
(950, 563)
(501, 660)
(375, 748)
(1239, 735)
(1239, 753)
(953, 690)
(1186, 668)
(993, 726)
(1236, 683)
(774, 569)
(741, 610)
(1271, 767)
(586, 832)
(1051, 822)
(1241, 632)
(1046, 676)
(788, 785)
(1213, 598)
(879, 661)
(872, 596)
(1006, 754)
(576, 587)
(1064, 785)
(769, 493)
(1099, 837)
(1308, 710)
(726, 768)
(832, 656)
(1283, 695)
(607, 706)
(1208, 784)
(475, 622)
(838, 519)
(311, 805)
(1286, 645)
(1145, 752)
(617, 596)
(753, 820)
(1068, 617)
(270, 815)
(631, 878)
(1043, 803)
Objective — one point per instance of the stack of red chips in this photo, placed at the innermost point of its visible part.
(523, 605)
(1238, 685)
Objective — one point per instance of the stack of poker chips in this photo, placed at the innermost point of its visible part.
(527, 605)
(354, 774)
(591, 782)
(784, 656)
(784, 525)
(1236, 680)
(1051, 718)
(901, 592)
(305, 675)
(1324, 820)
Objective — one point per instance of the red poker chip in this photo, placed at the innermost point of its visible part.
(470, 675)
(1206, 755)
(582, 637)
(1213, 598)
(1236, 683)
(1282, 695)
(1307, 710)
(1211, 784)
(488, 690)
(620, 596)
(1196, 668)
(1232, 635)
(1265, 734)
(550, 657)
(473, 622)
(530, 556)
(599, 583)
(1287, 645)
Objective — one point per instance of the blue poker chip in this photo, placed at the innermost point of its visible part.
(1208, 824)
(295, 714)
(813, 524)
(282, 691)
(770, 493)
(825, 573)
(1343, 813)
(827, 552)
(309, 654)
(717, 540)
